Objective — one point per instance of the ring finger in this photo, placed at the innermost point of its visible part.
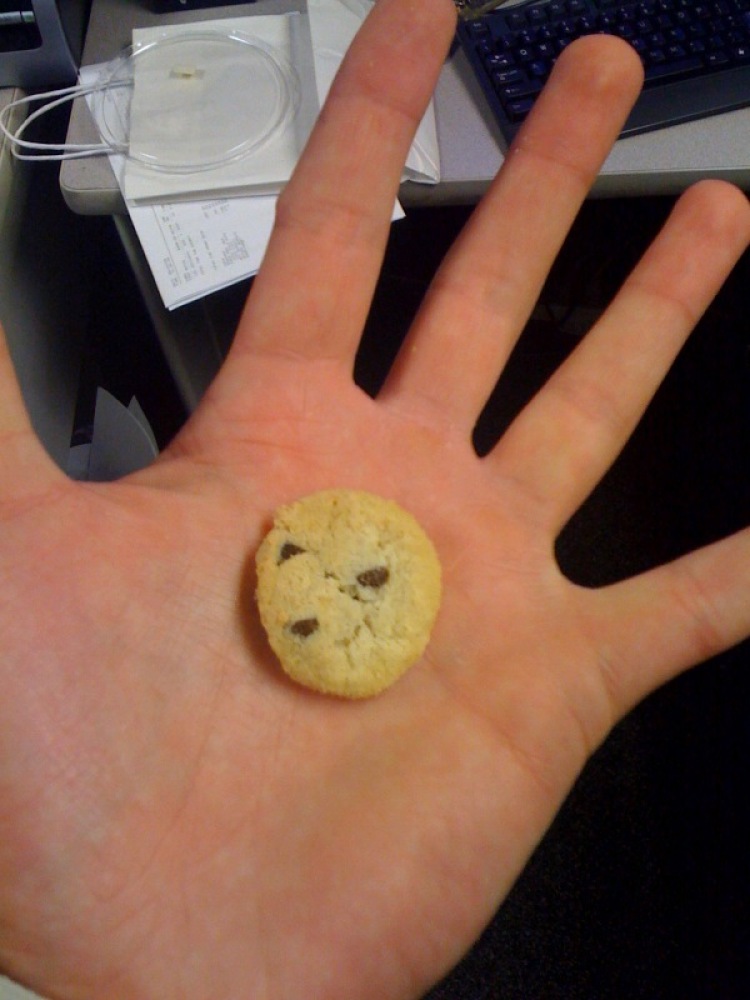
(488, 284)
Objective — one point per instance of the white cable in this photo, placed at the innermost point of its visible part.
(58, 150)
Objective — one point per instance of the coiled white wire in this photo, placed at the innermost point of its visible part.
(53, 99)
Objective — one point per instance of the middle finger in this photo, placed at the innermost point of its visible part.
(313, 291)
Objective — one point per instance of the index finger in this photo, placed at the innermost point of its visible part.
(313, 292)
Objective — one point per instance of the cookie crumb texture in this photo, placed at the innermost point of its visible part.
(348, 591)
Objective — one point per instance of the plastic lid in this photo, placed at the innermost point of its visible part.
(194, 100)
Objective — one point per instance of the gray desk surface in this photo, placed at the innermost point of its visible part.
(471, 148)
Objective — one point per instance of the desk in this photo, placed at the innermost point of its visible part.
(471, 148)
(471, 151)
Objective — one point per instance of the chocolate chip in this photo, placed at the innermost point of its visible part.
(289, 549)
(304, 627)
(375, 578)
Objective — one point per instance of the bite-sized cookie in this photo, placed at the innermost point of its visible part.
(348, 591)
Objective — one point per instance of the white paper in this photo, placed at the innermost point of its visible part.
(197, 247)
(333, 24)
(122, 442)
(194, 248)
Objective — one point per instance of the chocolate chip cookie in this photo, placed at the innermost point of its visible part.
(348, 591)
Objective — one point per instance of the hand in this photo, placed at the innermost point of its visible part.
(179, 820)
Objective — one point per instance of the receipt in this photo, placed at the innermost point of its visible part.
(194, 248)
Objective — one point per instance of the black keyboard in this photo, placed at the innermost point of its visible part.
(696, 55)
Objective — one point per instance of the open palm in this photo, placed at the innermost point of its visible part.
(177, 819)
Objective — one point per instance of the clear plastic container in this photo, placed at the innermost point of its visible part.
(194, 101)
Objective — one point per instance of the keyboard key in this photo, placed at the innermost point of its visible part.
(518, 110)
(665, 69)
